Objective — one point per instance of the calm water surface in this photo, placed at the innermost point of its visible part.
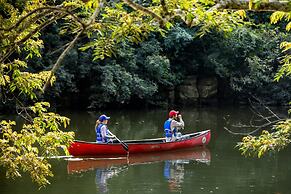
(218, 168)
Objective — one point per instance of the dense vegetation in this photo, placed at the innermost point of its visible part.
(138, 73)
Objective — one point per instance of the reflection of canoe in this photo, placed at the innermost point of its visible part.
(200, 154)
(82, 148)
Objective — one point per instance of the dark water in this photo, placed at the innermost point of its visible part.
(218, 168)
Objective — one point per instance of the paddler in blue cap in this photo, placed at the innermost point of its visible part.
(101, 129)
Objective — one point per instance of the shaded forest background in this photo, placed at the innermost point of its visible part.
(243, 62)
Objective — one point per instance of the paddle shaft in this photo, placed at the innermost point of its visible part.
(124, 145)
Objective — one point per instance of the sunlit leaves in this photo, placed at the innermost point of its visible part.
(213, 19)
(241, 13)
(267, 142)
(22, 82)
(286, 61)
(224, 21)
(19, 31)
(280, 15)
(27, 150)
(33, 47)
(4, 80)
(285, 46)
(250, 4)
(93, 3)
(117, 25)
(74, 3)
(28, 83)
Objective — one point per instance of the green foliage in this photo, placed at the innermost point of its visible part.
(164, 61)
(27, 150)
(267, 142)
(200, 13)
(177, 39)
(279, 16)
(136, 72)
(158, 69)
(286, 46)
(248, 62)
(286, 61)
(117, 25)
(130, 75)
(280, 138)
(22, 82)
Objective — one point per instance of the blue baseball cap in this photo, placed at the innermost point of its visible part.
(103, 118)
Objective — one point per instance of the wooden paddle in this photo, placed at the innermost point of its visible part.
(124, 145)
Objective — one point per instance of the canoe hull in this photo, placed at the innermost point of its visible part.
(82, 148)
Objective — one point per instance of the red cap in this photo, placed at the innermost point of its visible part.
(173, 113)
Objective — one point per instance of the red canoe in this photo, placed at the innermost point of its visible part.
(199, 154)
(82, 148)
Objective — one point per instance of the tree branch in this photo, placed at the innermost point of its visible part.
(39, 28)
(164, 7)
(60, 59)
(56, 8)
(42, 26)
(266, 115)
(272, 5)
(240, 133)
(71, 45)
(138, 7)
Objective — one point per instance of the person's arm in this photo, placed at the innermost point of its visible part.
(177, 124)
(103, 132)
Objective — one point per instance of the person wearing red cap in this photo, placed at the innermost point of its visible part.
(101, 129)
(172, 125)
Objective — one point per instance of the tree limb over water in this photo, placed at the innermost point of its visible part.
(274, 139)
(263, 117)
(273, 5)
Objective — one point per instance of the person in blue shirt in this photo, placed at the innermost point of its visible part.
(101, 129)
(172, 125)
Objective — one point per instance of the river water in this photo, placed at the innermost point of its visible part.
(216, 168)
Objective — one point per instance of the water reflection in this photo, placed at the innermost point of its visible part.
(103, 175)
(173, 171)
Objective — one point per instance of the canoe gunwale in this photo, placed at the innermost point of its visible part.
(149, 141)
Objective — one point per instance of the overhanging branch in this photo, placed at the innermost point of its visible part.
(51, 8)
(272, 5)
(71, 45)
(164, 7)
(138, 7)
(60, 59)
